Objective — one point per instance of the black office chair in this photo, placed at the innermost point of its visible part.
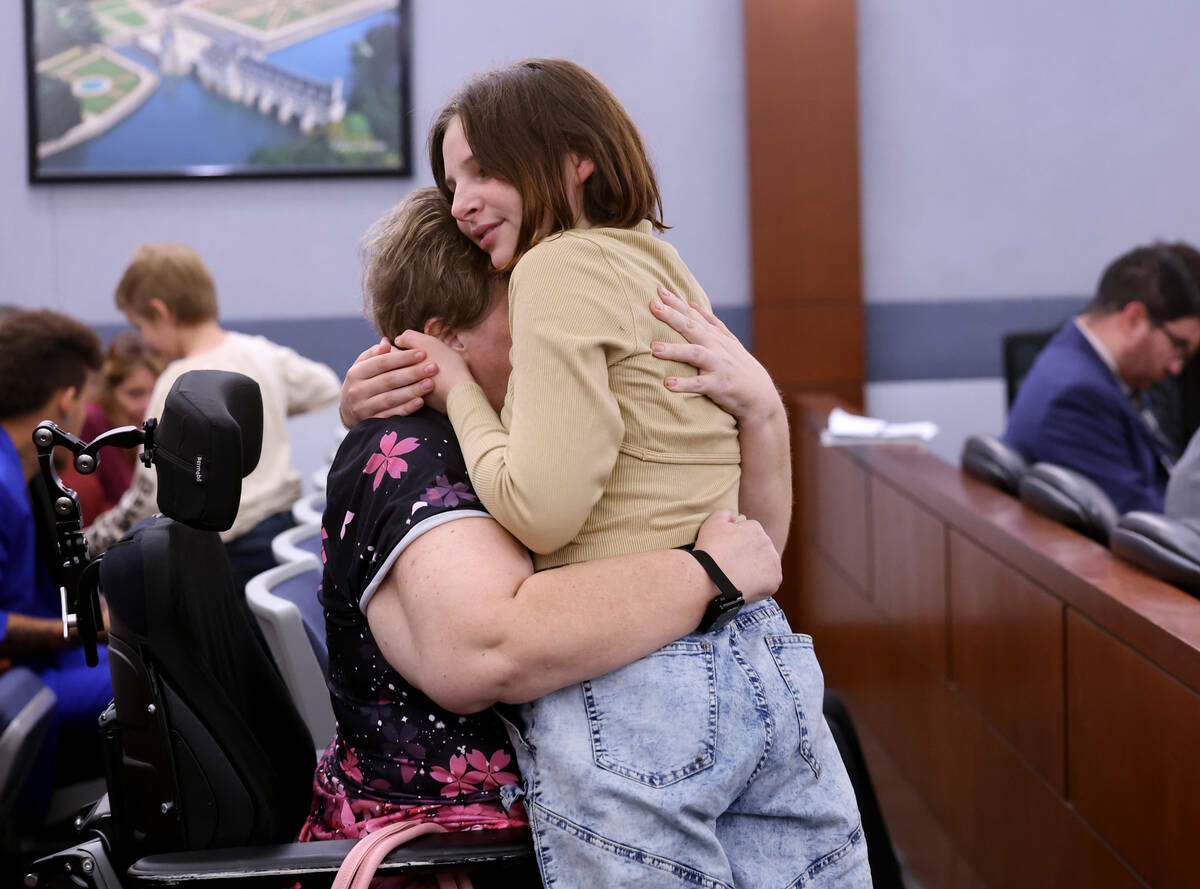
(209, 764)
(1070, 498)
(885, 867)
(994, 461)
(1020, 350)
(1166, 547)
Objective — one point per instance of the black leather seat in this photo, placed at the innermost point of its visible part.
(1168, 548)
(209, 764)
(1070, 498)
(992, 460)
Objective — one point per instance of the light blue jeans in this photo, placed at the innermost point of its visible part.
(706, 764)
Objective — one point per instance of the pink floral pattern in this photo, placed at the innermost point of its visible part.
(489, 771)
(455, 779)
(450, 494)
(397, 755)
(350, 765)
(388, 461)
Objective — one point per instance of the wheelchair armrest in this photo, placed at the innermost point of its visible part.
(445, 851)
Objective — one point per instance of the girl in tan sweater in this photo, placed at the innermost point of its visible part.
(708, 761)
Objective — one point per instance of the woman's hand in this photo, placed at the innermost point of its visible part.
(452, 369)
(385, 382)
(744, 552)
(729, 375)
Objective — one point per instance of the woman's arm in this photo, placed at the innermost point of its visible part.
(460, 617)
(734, 379)
(385, 382)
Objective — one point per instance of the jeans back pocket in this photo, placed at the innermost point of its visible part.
(797, 663)
(655, 720)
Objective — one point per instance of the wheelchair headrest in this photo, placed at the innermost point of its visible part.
(1168, 548)
(1071, 498)
(993, 461)
(208, 439)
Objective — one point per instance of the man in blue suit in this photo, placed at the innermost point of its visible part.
(1080, 404)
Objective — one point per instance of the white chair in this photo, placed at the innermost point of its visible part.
(320, 474)
(26, 710)
(339, 435)
(295, 544)
(284, 601)
(308, 510)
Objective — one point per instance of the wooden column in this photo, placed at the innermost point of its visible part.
(802, 122)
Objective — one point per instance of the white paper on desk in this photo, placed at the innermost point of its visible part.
(847, 429)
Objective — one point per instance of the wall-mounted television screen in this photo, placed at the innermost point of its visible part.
(164, 89)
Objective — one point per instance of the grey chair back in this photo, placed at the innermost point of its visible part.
(284, 601)
(26, 708)
(1070, 498)
(1166, 547)
(994, 461)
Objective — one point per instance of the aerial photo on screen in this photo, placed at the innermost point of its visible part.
(127, 87)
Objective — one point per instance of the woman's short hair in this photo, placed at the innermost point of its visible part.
(417, 265)
(125, 354)
(522, 122)
(43, 352)
(1163, 277)
(172, 273)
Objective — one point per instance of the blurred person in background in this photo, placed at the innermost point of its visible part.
(121, 398)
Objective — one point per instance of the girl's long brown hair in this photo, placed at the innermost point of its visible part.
(523, 122)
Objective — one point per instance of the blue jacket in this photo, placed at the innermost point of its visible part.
(1071, 410)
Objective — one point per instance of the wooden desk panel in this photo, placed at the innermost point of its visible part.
(1057, 748)
(909, 570)
(841, 526)
(1007, 654)
(1006, 821)
(1150, 616)
(1134, 754)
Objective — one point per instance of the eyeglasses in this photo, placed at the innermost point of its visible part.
(1183, 349)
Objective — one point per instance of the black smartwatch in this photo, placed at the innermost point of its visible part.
(726, 603)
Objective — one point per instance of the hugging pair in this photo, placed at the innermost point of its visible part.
(669, 725)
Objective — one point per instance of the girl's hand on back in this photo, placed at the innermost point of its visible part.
(385, 382)
(729, 374)
(744, 552)
(452, 369)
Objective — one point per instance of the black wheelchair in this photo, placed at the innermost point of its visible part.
(208, 764)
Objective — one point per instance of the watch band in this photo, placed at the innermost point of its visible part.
(715, 574)
(726, 603)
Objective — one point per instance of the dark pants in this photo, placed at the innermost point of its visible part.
(250, 554)
(885, 869)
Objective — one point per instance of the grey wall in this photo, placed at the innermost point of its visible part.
(1013, 149)
(285, 250)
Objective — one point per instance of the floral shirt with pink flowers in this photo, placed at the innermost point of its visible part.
(392, 480)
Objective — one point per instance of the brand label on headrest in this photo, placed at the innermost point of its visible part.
(201, 469)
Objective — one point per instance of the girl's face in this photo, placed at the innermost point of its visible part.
(131, 398)
(487, 209)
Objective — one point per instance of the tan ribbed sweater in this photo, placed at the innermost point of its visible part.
(591, 455)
